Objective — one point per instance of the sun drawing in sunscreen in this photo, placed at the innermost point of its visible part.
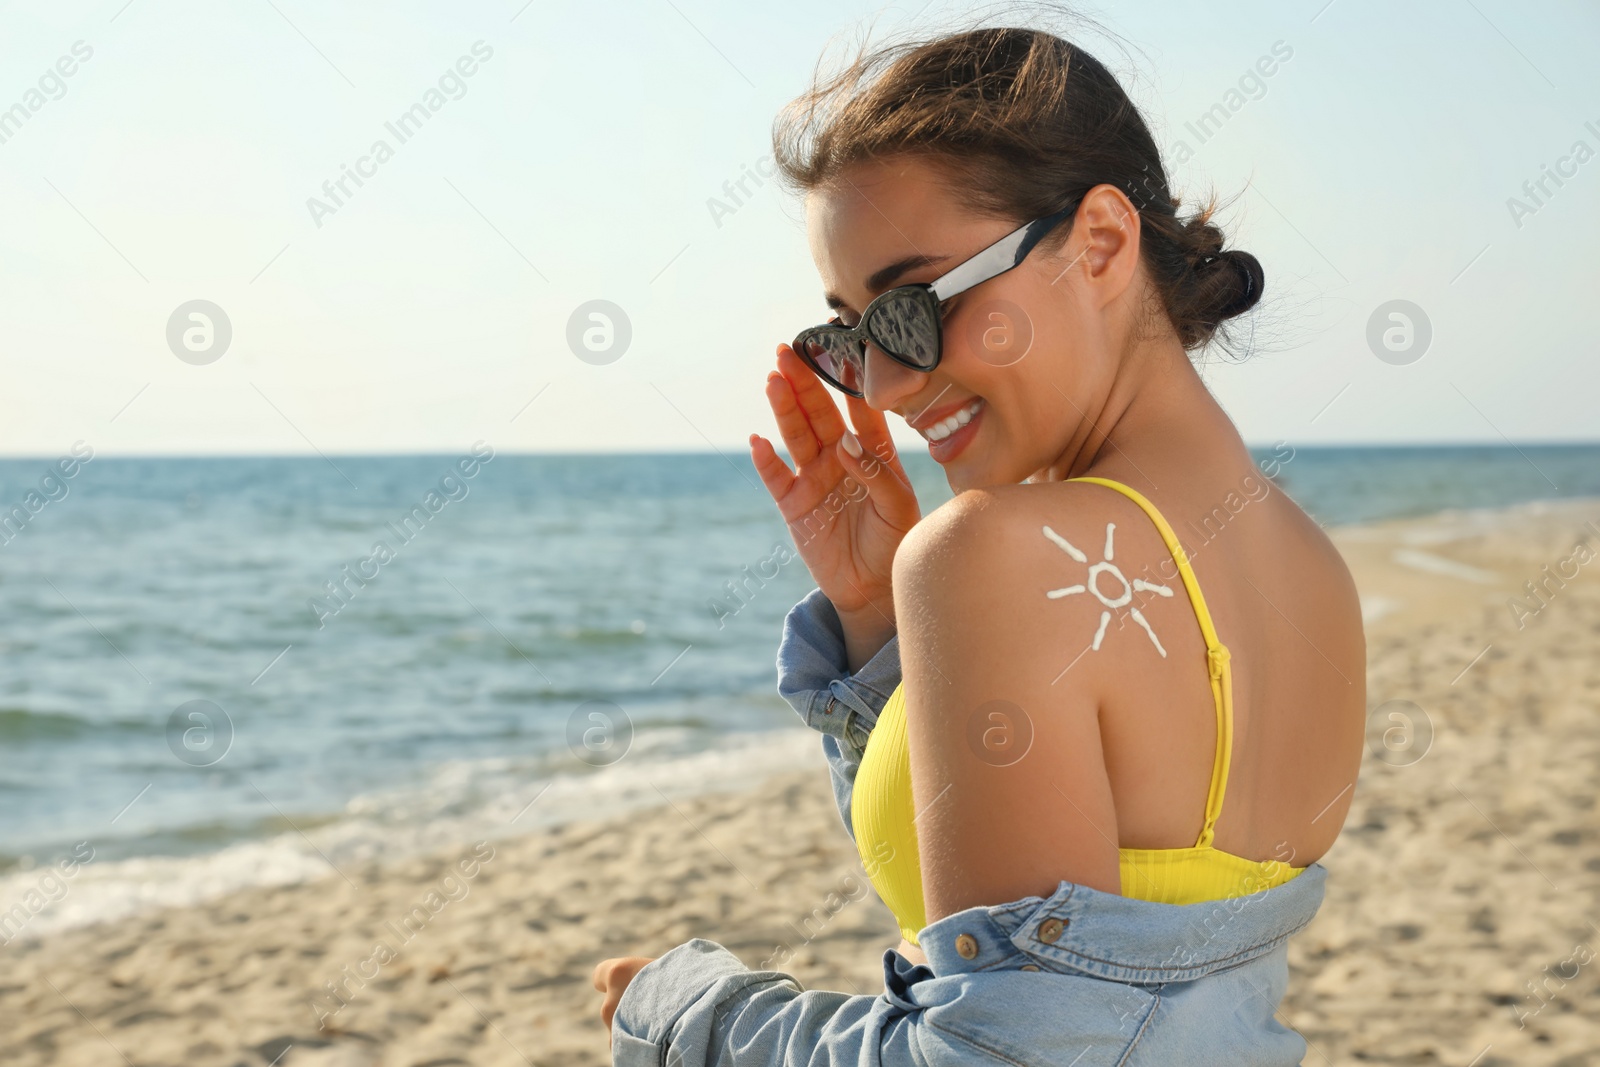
(1106, 568)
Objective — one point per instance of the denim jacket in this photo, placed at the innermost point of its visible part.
(1080, 978)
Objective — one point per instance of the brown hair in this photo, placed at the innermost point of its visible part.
(1022, 121)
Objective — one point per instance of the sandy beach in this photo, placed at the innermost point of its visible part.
(1460, 925)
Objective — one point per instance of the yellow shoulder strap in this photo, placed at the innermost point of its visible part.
(1216, 656)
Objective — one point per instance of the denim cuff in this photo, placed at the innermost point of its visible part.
(814, 675)
(660, 996)
(698, 1006)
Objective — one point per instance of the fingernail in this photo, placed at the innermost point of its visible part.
(851, 445)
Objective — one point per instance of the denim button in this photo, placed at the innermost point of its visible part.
(1028, 967)
(966, 946)
(1051, 929)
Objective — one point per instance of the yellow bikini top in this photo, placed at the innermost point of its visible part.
(882, 811)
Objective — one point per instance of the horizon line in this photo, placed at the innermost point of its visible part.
(739, 450)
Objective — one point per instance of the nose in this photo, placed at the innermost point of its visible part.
(887, 383)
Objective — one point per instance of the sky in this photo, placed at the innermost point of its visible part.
(579, 152)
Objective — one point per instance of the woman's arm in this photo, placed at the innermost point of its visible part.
(1003, 688)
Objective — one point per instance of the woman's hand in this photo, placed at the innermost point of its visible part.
(611, 977)
(848, 503)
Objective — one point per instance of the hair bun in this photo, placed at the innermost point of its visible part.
(1233, 280)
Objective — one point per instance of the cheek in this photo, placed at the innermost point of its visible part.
(1014, 347)
(1013, 352)
(993, 333)
(1034, 409)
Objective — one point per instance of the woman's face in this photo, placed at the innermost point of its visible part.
(1026, 356)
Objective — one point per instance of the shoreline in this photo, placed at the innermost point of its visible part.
(103, 889)
(1462, 895)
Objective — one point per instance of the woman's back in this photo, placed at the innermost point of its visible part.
(1283, 603)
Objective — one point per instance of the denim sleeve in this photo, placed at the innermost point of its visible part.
(699, 1006)
(814, 677)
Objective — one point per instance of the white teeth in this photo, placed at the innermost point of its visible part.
(945, 427)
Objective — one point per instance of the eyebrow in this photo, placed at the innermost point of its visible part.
(882, 279)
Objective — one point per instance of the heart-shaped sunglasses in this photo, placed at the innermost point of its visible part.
(906, 323)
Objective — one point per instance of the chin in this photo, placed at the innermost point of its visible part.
(970, 472)
(957, 481)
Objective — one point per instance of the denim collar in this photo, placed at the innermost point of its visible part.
(1104, 935)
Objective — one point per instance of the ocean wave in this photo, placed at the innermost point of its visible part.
(462, 801)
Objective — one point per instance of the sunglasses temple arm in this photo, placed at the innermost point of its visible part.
(999, 257)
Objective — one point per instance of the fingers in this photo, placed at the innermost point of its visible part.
(873, 431)
(608, 1010)
(855, 460)
(612, 977)
(793, 425)
(872, 428)
(888, 490)
(775, 473)
(812, 426)
(878, 467)
(602, 980)
(812, 395)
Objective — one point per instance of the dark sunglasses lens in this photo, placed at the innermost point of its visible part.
(834, 355)
(906, 325)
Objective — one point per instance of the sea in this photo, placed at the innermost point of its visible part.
(231, 672)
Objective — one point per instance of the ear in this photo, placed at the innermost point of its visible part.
(1106, 236)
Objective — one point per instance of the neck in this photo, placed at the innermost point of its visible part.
(1155, 394)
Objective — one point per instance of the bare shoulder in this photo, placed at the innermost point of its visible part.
(1031, 560)
(985, 534)
(981, 535)
(956, 539)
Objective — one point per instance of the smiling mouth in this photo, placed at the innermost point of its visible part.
(947, 426)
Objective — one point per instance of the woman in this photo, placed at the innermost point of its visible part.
(1096, 796)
